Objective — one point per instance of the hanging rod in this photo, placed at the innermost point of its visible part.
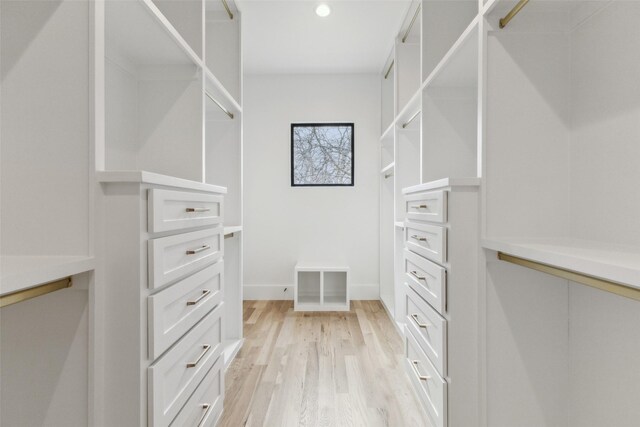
(389, 70)
(584, 279)
(25, 294)
(227, 112)
(388, 175)
(226, 6)
(509, 16)
(411, 119)
(413, 20)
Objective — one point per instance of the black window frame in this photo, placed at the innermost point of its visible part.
(353, 153)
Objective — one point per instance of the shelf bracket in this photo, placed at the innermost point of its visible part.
(584, 279)
(25, 294)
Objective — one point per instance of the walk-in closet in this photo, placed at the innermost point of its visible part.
(404, 213)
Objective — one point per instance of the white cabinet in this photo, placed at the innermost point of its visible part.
(441, 303)
(164, 307)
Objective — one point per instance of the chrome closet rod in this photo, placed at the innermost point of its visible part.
(411, 119)
(413, 20)
(227, 112)
(226, 6)
(389, 70)
(574, 276)
(513, 12)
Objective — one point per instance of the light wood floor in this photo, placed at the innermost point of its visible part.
(319, 369)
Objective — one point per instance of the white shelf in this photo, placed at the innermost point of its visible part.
(399, 224)
(388, 168)
(458, 67)
(23, 272)
(144, 177)
(137, 31)
(388, 133)
(616, 263)
(218, 91)
(442, 183)
(232, 229)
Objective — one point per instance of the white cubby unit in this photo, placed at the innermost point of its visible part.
(46, 213)
(168, 155)
(321, 288)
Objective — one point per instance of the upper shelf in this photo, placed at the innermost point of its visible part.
(144, 177)
(616, 263)
(140, 34)
(459, 66)
(24, 272)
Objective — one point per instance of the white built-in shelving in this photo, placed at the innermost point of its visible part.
(542, 113)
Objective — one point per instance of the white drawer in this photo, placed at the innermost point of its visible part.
(175, 376)
(427, 240)
(430, 206)
(205, 405)
(429, 329)
(174, 257)
(429, 280)
(429, 385)
(173, 311)
(179, 210)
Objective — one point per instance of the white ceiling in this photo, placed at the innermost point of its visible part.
(287, 36)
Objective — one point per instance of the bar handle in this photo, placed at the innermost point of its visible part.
(418, 238)
(420, 207)
(421, 325)
(415, 364)
(207, 408)
(198, 250)
(197, 209)
(415, 274)
(206, 348)
(205, 293)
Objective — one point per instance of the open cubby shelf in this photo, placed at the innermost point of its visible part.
(321, 288)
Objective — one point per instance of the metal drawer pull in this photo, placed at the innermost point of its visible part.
(422, 325)
(205, 292)
(415, 368)
(197, 209)
(418, 238)
(419, 207)
(206, 348)
(415, 274)
(207, 408)
(198, 250)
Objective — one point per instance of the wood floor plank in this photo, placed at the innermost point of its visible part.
(308, 369)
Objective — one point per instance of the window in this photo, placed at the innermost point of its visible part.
(322, 154)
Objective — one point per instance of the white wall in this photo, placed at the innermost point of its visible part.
(283, 224)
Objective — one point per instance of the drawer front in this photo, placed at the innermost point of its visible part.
(175, 310)
(429, 280)
(175, 376)
(429, 329)
(180, 210)
(429, 385)
(204, 407)
(427, 240)
(431, 206)
(174, 257)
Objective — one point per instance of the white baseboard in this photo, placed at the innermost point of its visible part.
(285, 292)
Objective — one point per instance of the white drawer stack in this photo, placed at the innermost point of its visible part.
(164, 336)
(440, 303)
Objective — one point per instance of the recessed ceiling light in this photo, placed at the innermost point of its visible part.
(323, 10)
